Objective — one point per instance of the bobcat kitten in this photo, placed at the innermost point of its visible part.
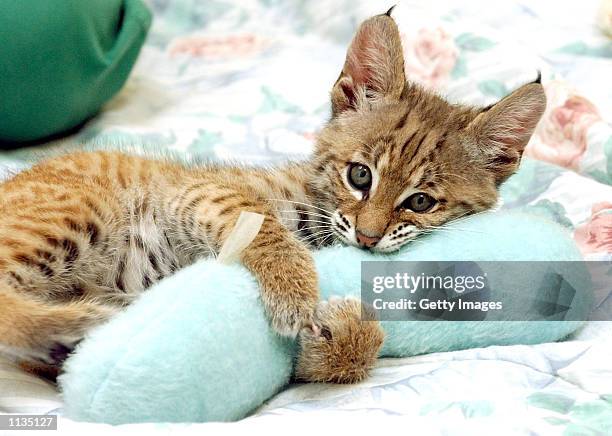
(83, 235)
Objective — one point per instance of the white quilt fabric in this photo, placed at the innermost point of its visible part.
(560, 388)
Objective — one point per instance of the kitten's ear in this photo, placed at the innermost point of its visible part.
(502, 131)
(374, 66)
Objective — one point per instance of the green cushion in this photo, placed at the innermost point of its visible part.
(61, 60)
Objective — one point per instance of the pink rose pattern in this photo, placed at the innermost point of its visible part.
(561, 135)
(595, 236)
(429, 56)
(217, 47)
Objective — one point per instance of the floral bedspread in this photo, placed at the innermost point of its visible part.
(248, 80)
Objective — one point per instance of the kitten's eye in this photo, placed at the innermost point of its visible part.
(360, 176)
(419, 202)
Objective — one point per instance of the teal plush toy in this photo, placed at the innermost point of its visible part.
(197, 347)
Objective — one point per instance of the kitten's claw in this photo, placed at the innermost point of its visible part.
(340, 348)
(289, 320)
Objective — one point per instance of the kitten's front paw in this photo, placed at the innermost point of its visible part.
(290, 315)
(340, 347)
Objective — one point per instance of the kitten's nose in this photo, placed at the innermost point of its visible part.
(366, 241)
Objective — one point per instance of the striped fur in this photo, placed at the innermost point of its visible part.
(83, 235)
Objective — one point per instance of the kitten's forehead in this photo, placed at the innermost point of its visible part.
(407, 148)
(387, 123)
(417, 141)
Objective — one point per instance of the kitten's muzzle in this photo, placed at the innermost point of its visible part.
(365, 240)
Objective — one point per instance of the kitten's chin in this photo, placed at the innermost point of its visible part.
(340, 237)
(386, 250)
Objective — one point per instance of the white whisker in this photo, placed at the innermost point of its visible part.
(320, 227)
(321, 239)
(325, 240)
(306, 221)
(303, 204)
(317, 233)
(308, 212)
(314, 237)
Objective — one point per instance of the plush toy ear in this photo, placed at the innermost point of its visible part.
(502, 130)
(374, 66)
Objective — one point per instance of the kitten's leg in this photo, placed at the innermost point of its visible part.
(285, 270)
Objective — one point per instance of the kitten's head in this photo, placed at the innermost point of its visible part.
(396, 160)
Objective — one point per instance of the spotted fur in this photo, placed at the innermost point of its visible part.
(83, 235)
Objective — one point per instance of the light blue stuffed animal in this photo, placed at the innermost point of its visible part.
(197, 347)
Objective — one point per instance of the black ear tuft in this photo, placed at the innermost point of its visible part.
(539, 79)
(388, 13)
(502, 131)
